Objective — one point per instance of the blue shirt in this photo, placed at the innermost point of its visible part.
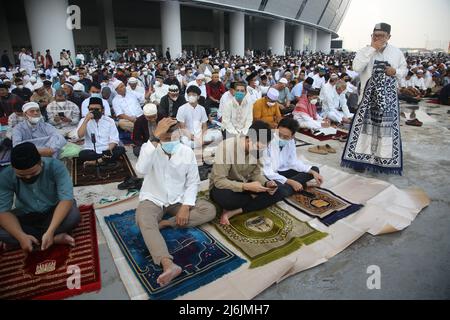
(53, 185)
(297, 90)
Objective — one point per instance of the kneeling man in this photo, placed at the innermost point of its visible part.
(172, 167)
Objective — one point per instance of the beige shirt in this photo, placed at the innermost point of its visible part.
(228, 172)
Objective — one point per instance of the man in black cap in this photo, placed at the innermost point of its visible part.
(45, 210)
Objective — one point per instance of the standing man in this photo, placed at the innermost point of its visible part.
(374, 141)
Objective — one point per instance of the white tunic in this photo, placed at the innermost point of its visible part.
(105, 131)
(193, 118)
(85, 107)
(237, 119)
(333, 103)
(128, 105)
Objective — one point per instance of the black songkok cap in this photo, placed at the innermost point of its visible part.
(383, 27)
(24, 156)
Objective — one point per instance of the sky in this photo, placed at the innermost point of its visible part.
(415, 24)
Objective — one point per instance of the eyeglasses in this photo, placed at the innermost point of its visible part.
(379, 36)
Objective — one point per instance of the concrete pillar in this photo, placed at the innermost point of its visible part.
(275, 37)
(171, 28)
(313, 45)
(5, 40)
(324, 42)
(106, 24)
(299, 38)
(237, 33)
(47, 27)
(219, 29)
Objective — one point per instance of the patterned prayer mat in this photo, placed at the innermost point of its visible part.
(88, 177)
(50, 274)
(266, 235)
(323, 137)
(201, 256)
(324, 205)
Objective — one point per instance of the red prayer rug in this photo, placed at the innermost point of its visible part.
(323, 137)
(56, 273)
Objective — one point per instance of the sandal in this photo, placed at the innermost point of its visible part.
(329, 148)
(318, 150)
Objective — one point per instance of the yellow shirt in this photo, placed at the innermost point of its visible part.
(271, 115)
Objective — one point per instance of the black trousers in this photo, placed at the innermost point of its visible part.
(300, 177)
(36, 224)
(90, 155)
(230, 200)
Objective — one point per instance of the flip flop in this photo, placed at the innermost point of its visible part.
(318, 150)
(329, 149)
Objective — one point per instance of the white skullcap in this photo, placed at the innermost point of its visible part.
(201, 76)
(182, 69)
(37, 86)
(32, 79)
(29, 105)
(68, 84)
(150, 109)
(116, 83)
(132, 80)
(22, 70)
(26, 78)
(430, 68)
(174, 88)
(420, 71)
(283, 80)
(74, 78)
(78, 87)
(273, 94)
(334, 76)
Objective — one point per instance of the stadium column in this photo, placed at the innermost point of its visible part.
(48, 28)
(313, 44)
(275, 37)
(219, 29)
(299, 38)
(237, 33)
(107, 24)
(324, 42)
(171, 28)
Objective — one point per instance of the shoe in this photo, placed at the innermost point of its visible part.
(415, 123)
(131, 183)
(329, 148)
(318, 150)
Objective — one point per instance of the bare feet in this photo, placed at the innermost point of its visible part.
(164, 224)
(64, 238)
(169, 274)
(226, 215)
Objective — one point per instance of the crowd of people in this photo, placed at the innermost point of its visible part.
(245, 110)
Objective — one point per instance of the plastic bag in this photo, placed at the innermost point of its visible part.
(70, 150)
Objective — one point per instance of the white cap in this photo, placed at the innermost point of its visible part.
(283, 80)
(132, 80)
(273, 94)
(32, 79)
(78, 87)
(334, 76)
(117, 83)
(201, 76)
(29, 105)
(74, 78)
(38, 85)
(150, 109)
(420, 71)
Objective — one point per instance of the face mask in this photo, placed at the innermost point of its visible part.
(192, 99)
(174, 98)
(34, 120)
(97, 114)
(313, 101)
(145, 73)
(61, 103)
(283, 142)
(270, 104)
(96, 95)
(170, 147)
(239, 96)
(257, 83)
(20, 86)
(30, 180)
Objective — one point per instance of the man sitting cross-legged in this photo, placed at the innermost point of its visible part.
(172, 167)
(236, 183)
(45, 210)
(281, 163)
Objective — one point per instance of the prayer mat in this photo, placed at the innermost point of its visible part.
(323, 137)
(301, 143)
(266, 235)
(374, 141)
(88, 177)
(322, 204)
(50, 274)
(202, 258)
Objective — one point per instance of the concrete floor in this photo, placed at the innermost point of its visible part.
(414, 263)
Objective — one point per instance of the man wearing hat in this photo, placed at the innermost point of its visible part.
(170, 103)
(283, 97)
(126, 106)
(8, 101)
(45, 211)
(205, 68)
(253, 87)
(200, 83)
(379, 49)
(160, 89)
(144, 127)
(267, 109)
(104, 129)
(41, 97)
(43, 135)
(137, 89)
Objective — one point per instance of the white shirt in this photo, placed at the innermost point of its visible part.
(223, 100)
(160, 91)
(237, 119)
(418, 82)
(128, 105)
(365, 58)
(192, 117)
(85, 107)
(254, 94)
(105, 131)
(139, 92)
(319, 81)
(406, 83)
(177, 178)
(332, 101)
(276, 160)
(194, 83)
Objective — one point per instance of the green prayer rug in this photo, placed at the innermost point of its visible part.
(266, 235)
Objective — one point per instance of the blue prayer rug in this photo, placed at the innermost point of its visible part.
(202, 258)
